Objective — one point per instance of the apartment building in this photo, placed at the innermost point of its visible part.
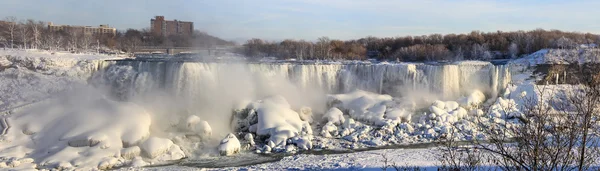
(161, 27)
(84, 30)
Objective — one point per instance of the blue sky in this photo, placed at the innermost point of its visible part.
(310, 19)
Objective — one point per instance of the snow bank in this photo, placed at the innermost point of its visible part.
(547, 95)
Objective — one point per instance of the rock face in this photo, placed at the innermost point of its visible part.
(230, 145)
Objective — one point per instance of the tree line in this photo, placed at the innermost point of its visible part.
(473, 46)
(32, 34)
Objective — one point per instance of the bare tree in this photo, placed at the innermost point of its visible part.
(549, 134)
(85, 41)
(53, 41)
(11, 29)
(24, 33)
(36, 32)
(457, 156)
(323, 47)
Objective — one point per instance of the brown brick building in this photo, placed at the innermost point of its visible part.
(162, 27)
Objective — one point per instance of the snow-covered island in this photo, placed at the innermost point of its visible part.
(95, 112)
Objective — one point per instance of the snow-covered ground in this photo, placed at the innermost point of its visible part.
(27, 76)
(560, 56)
(424, 158)
(57, 112)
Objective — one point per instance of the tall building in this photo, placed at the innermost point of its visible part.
(84, 30)
(160, 26)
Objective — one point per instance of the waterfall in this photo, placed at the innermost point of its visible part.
(193, 79)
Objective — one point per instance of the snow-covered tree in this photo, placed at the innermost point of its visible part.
(487, 55)
(479, 51)
(513, 50)
(459, 54)
(564, 42)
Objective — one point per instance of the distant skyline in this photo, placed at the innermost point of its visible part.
(310, 19)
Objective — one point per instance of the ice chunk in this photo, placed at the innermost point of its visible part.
(438, 111)
(87, 141)
(335, 116)
(362, 105)
(303, 143)
(329, 129)
(138, 162)
(349, 123)
(203, 129)
(230, 145)
(505, 108)
(407, 128)
(131, 152)
(174, 153)
(439, 104)
(108, 163)
(13, 163)
(154, 146)
(475, 99)
(306, 129)
(306, 114)
(451, 105)
(191, 122)
(277, 120)
(64, 166)
(250, 138)
(399, 114)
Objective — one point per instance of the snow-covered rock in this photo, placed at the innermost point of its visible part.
(350, 123)
(131, 152)
(138, 162)
(275, 119)
(230, 145)
(334, 115)
(306, 114)
(250, 138)
(399, 114)
(191, 122)
(474, 99)
(329, 130)
(154, 146)
(203, 129)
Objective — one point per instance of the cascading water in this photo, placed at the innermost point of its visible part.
(196, 81)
